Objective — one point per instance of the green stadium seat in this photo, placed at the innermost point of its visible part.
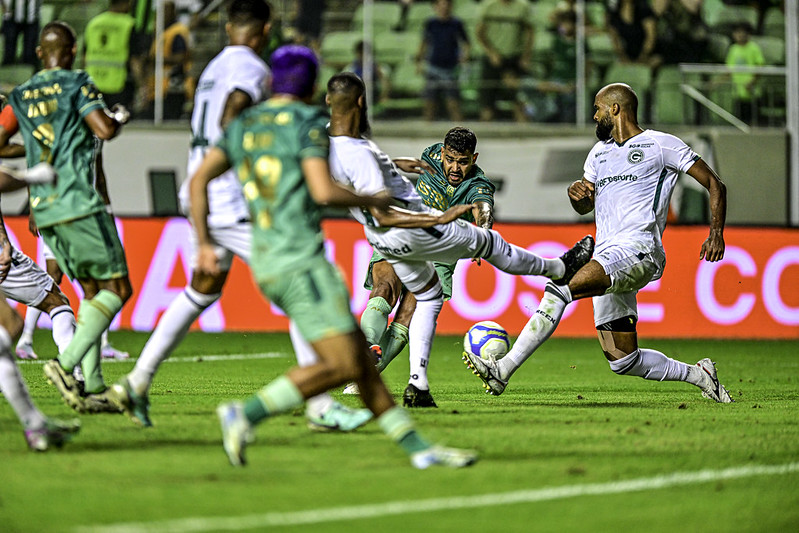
(717, 47)
(774, 23)
(639, 77)
(711, 10)
(668, 101)
(406, 81)
(773, 49)
(393, 48)
(338, 47)
(595, 14)
(600, 49)
(732, 15)
(78, 15)
(418, 13)
(384, 16)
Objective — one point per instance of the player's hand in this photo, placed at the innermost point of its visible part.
(581, 189)
(713, 247)
(40, 173)
(412, 165)
(454, 213)
(5, 259)
(120, 113)
(477, 260)
(207, 261)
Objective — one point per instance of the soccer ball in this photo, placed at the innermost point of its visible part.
(487, 339)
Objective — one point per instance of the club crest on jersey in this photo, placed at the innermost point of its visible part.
(450, 190)
(636, 155)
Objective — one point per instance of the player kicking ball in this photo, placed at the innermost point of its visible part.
(628, 179)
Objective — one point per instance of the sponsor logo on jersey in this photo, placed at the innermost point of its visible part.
(387, 250)
(611, 179)
(636, 155)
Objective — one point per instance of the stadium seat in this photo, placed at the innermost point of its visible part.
(711, 10)
(418, 13)
(338, 47)
(406, 90)
(717, 47)
(774, 23)
(668, 103)
(393, 48)
(600, 49)
(384, 16)
(732, 15)
(773, 49)
(595, 14)
(78, 15)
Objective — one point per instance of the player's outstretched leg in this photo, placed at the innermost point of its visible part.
(575, 258)
(711, 388)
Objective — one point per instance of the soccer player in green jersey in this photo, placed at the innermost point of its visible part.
(280, 152)
(62, 118)
(450, 176)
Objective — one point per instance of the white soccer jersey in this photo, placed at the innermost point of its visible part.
(633, 184)
(360, 164)
(235, 67)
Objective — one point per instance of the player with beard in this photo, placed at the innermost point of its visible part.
(450, 176)
(359, 163)
(628, 177)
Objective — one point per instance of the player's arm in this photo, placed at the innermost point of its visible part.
(325, 191)
(713, 247)
(237, 101)
(106, 126)
(214, 163)
(5, 251)
(411, 165)
(402, 218)
(100, 184)
(581, 196)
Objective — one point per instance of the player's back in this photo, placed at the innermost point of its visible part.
(234, 68)
(50, 109)
(266, 146)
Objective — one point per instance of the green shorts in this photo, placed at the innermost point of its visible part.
(316, 299)
(87, 247)
(443, 270)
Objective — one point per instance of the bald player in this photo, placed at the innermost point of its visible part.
(628, 178)
(63, 120)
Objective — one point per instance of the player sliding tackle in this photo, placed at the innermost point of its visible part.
(280, 149)
(359, 163)
(628, 178)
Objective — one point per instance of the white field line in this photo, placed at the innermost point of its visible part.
(336, 514)
(187, 359)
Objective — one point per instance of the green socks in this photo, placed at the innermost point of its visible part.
(277, 397)
(374, 319)
(397, 424)
(393, 342)
(94, 316)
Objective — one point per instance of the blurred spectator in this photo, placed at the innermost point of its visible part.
(21, 17)
(110, 54)
(633, 28)
(682, 35)
(309, 22)
(178, 85)
(555, 99)
(382, 86)
(506, 35)
(744, 52)
(402, 23)
(444, 46)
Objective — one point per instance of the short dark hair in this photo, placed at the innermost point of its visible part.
(248, 11)
(461, 140)
(63, 29)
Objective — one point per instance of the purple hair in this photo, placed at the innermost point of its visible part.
(294, 70)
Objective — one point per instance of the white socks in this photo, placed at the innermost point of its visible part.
(31, 319)
(421, 332)
(518, 261)
(171, 329)
(651, 364)
(63, 325)
(537, 330)
(13, 387)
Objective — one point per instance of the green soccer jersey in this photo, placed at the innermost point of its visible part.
(50, 109)
(266, 145)
(436, 191)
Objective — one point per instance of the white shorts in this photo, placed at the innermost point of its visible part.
(26, 282)
(630, 270)
(412, 251)
(231, 240)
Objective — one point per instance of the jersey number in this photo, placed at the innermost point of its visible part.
(45, 135)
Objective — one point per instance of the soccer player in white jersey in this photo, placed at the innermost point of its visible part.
(628, 178)
(41, 432)
(358, 162)
(234, 80)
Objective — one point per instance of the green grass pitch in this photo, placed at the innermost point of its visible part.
(570, 446)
